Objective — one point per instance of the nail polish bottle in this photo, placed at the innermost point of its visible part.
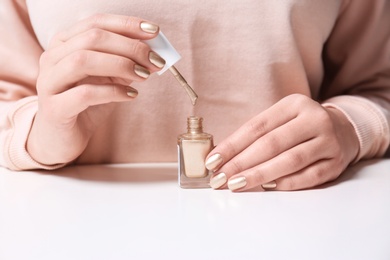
(193, 148)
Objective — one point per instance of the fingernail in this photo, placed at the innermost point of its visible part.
(269, 185)
(131, 92)
(213, 162)
(237, 183)
(149, 27)
(156, 60)
(218, 180)
(141, 71)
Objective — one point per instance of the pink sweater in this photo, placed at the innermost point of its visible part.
(337, 52)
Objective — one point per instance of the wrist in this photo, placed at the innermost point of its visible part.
(346, 133)
(49, 147)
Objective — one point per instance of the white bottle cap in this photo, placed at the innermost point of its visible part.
(164, 48)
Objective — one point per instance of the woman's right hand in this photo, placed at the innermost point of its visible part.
(84, 72)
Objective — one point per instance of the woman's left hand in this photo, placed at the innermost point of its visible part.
(295, 144)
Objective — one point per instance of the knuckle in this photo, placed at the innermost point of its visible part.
(303, 99)
(257, 127)
(296, 160)
(130, 22)
(115, 93)
(139, 47)
(297, 100)
(95, 20)
(78, 59)
(92, 37)
(317, 176)
(272, 144)
(258, 177)
(123, 65)
(85, 93)
(306, 105)
(290, 184)
(237, 165)
(229, 147)
(297, 97)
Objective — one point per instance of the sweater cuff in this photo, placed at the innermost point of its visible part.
(20, 119)
(369, 122)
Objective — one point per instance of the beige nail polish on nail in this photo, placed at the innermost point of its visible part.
(131, 92)
(218, 180)
(213, 162)
(237, 183)
(149, 27)
(141, 71)
(269, 185)
(156, 60)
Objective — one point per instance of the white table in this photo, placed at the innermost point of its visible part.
(139, 212)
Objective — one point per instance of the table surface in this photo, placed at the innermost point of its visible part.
(137, 211)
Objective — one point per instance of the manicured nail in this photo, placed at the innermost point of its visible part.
(149, 27)
(156, 60)
(237, 183)
(131, 92)
(269, 185)
(213, 162)
(218, 180)
(141, 71)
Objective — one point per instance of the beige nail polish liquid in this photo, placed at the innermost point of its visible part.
(193, 148)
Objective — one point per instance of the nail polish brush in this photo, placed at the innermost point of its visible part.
(164, 48)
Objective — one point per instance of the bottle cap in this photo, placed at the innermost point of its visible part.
(164, 48)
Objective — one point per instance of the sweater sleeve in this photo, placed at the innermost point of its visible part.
(19, 59)
(357, 78)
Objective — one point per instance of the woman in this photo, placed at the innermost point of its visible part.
(293, 91)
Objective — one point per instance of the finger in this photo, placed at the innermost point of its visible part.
(105, 81)
(260, 125)
(99, 40)
(132, 27)
(74, 101)
(268, 146)
(319, 173)
(286, 163)
(83, 64)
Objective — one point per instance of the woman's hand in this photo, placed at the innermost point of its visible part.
(293, 145)
(83, 73)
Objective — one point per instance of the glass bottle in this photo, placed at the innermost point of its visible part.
(193, 148)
